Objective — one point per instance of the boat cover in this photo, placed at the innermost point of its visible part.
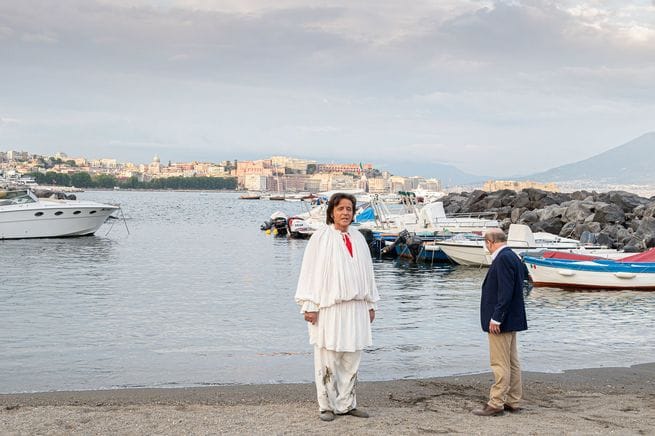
(646, 256)
(568, 256)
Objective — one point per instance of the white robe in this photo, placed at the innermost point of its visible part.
(340, 287)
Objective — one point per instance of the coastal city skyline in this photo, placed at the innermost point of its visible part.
(456, 82)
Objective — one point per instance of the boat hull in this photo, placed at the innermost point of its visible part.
(591, 274)
(476, 255)
(53, 220)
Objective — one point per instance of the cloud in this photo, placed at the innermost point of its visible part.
(44, 38)
(464, 79)
(8, 120)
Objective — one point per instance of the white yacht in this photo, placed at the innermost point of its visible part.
(24, 215)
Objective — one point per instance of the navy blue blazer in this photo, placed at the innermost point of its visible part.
(502, 293)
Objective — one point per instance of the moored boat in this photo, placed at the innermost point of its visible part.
(635, 272)
(24, 215)
(469, 250)
(250, 196)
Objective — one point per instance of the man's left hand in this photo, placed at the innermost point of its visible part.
(494, 328)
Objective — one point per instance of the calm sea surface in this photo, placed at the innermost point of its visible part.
(197, 295)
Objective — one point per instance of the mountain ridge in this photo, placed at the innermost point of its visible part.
(632, 162)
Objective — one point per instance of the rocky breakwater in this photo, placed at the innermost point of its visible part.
(617, 219)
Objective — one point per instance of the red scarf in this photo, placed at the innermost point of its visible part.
(349, 245)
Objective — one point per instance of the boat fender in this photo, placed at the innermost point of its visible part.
(565, 272)
(625, 275)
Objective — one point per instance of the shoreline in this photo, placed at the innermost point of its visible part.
(585, 401)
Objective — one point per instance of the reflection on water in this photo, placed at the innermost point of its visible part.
(197, 295)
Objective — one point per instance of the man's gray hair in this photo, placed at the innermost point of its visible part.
(495, 235)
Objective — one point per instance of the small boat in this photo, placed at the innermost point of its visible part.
(250, 196)
(277, 224)
(636, 272)
(470, 250)
(24, 215)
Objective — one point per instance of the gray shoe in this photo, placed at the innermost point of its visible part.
(327, 415)
(358, 413)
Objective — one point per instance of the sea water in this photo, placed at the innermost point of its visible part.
(195, 294)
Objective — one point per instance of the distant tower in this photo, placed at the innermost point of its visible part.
(155, 165)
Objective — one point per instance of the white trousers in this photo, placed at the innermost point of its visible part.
(336, 378)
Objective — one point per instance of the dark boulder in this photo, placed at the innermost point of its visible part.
(568, 229)
(474, 198)
(603, 239)
(552, 225)
(522, 200)
(609, 214)
(529, 217)
(627, 201)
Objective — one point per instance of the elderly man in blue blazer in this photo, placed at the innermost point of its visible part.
(502, 314)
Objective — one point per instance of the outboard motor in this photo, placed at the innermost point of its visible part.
(267, 225)
(402, 237)
(412, 243)
(280, 226)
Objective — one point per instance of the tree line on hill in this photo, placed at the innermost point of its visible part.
(86, 180)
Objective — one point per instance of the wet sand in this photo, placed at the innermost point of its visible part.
(589, 401)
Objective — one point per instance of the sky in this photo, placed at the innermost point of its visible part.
(491, 87)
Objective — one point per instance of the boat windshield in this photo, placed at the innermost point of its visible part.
(15, 197)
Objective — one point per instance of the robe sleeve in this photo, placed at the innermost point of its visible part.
(312, 273)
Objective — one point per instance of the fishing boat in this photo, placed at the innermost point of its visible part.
(24, 215)
(635, 272)
(250, 196)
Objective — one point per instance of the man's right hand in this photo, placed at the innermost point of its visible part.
(311, 317)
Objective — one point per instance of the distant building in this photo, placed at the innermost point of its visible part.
(254, 182)
(105, 163)
(497, 185)
(378, 185)
(17, 155)
(433, 185)
(343, 168)
(295, 182)
(291, 165)
(155, 166)
(399, 183)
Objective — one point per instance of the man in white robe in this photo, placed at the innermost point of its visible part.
(337, 294)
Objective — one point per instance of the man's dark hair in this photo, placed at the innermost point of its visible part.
(334, 200)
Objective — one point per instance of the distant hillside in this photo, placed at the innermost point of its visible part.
(448, 174)
(633, 162)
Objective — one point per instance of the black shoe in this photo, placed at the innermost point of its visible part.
(357, 412)
(327, 415)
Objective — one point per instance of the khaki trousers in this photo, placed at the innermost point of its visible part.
(504, 359)
(336, 378)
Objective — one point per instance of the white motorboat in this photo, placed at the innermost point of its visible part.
(24, 215)
(428, 219)
(304, 225)
(470, 250)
